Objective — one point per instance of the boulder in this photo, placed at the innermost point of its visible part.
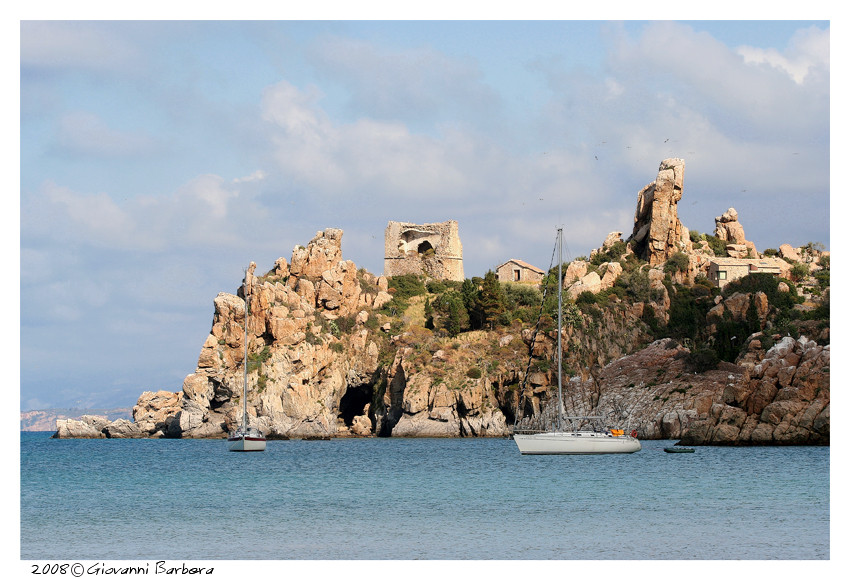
(576, 270)
(320, 255)
(727, 227)
(154, 408)
(589, 283)
(87, 426)
(737, 250)
(123, 428)
(788, 252)
(612, 272)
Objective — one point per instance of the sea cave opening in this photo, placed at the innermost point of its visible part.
(354, 402)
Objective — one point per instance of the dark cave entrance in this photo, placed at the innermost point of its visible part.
(354, 402)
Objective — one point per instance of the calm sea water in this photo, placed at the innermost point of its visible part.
(417, 499)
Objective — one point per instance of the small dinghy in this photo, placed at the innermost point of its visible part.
(678, 449)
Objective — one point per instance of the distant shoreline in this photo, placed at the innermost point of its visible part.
(44, 420)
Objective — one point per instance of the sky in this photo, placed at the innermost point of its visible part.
(159, 158)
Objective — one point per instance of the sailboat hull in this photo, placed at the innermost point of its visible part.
(575, 443)
(246, 443)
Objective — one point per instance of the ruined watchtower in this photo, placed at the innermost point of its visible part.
(432, 249)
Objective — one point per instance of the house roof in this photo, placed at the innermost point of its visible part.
(732, 261)
(521, 263)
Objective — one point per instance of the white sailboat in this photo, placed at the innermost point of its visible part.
(573, 434)
(246, 438)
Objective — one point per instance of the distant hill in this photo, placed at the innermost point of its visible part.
(45, 420)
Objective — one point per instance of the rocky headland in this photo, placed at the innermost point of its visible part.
(649, 341)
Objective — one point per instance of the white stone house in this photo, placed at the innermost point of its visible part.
(722, 270)
(518, 271)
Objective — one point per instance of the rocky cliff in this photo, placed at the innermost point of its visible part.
(778, 396)
(329, 354)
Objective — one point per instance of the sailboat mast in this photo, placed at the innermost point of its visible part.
(245, 376)
(560, 300)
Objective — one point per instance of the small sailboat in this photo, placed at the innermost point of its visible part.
(573, 434)
(246, 438)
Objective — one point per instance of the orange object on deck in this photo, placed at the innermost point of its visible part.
(617, 432)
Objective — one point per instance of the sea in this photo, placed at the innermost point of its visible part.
(376, 499)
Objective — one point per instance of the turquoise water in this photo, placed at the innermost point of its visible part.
(417, 499)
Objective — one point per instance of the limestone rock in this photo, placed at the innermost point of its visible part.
(788, 252)
(612, 272)
(657, 232)
(612, 238)
(154, 408)
(87, 427)
(589, 283)
(576, 270)
(783, 400)
(727, 227)
(123, 428)
(320, 255)
(738, 251)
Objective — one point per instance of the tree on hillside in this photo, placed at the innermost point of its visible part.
(492, 298)
(451, 313)
(472, 302)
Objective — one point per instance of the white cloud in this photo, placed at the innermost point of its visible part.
(695, 71)
(207, 211)
(257, 175)
(209, 196)
(808, 51)
(381, 157)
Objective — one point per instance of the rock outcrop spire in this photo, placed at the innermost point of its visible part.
(729, 229)
(658, 233)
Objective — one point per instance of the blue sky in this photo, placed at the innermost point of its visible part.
(158, 158)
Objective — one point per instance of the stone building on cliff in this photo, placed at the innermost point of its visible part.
(722, 270)
(518, 271)
(431, 249)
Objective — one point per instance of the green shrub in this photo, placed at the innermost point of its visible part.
(799, 271)
(521, 296)
(406, 286)
(586, 298)
(474, 373)
(767, 283)
(636, 284)
(616, 250)
(718, 246)
(436, 286)
(703, 359)
(678, 262)
(257, 359)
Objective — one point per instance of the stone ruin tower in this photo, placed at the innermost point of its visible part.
(432, 249)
